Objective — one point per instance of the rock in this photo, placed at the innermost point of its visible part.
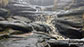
(3, 13)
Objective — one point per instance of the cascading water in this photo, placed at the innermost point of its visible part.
(37, 23)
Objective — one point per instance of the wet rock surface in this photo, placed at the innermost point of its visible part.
(27, 24)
